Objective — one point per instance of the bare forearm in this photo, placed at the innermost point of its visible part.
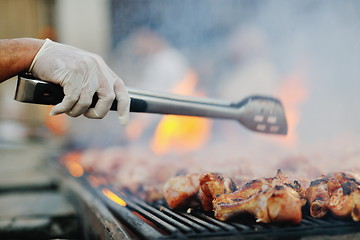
(16, 55)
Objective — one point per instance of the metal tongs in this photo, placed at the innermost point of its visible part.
(258, 113)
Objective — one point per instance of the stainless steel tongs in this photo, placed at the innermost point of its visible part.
(258, 113)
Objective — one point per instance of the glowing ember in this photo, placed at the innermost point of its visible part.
(181, 133)
(112, 196)
(72, 164)
(75, 169)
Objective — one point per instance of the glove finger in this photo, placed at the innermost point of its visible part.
(102, 107)
(122, 96)
(82, 105)
(67, 103)
(123, 102)
(72, 90)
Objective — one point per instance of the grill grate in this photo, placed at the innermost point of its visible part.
(157, 221)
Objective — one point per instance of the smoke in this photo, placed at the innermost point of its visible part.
(325, 36)
(220, 37)
(240, 48)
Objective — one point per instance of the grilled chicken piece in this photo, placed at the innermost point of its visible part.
(268, 199)
(318, 196)
(284, 205)
(257, 185)
(345, 196)
(180, 191)
(212, 185)
(338, 193)
(355, 213)
(279, 204)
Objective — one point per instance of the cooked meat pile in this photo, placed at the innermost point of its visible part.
(273, 199)
(338, 193)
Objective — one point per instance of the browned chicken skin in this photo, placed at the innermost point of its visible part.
(318, 196)
(274, 199)
(212, 185)
(278, 204)
(268, 199)
(338, 193)
(180, 191)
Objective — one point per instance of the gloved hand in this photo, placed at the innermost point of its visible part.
(81, 74)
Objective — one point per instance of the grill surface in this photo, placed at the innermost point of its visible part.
(157, 221)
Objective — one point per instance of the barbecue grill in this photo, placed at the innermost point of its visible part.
(107, 212)
(235, 48)
(105, 218)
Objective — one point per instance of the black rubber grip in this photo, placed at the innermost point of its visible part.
(52, 94)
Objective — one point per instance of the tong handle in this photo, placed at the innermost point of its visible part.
(141, 101)
(51, 94)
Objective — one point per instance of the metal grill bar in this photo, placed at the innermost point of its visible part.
(223, 225)
(157, 221)
(183, 228)
(128, 218)
(195, 226)
(240, 226)
(206, 224)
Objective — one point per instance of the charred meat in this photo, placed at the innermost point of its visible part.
(268, 199)
(274, 199)
(338, 193)
(211, 186)
(181, 191)
(318, 196)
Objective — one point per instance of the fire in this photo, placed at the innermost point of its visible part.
(75, 169)
(293, 93)
(72, 164)
(112, 196)
(181, 133)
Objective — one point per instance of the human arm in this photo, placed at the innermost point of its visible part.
(16, 55)
(81, 74)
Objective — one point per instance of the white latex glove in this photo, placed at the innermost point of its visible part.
(81, 74)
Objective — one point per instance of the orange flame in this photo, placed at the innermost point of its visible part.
(181, 133)
(113, 197)
(72, 164)
(293, 92)
(75, 169)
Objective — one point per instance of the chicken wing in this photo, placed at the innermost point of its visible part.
(212, 185)
(180, 191)
(268, 199)
(338, 193)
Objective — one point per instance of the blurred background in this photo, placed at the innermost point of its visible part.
(306, 53)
